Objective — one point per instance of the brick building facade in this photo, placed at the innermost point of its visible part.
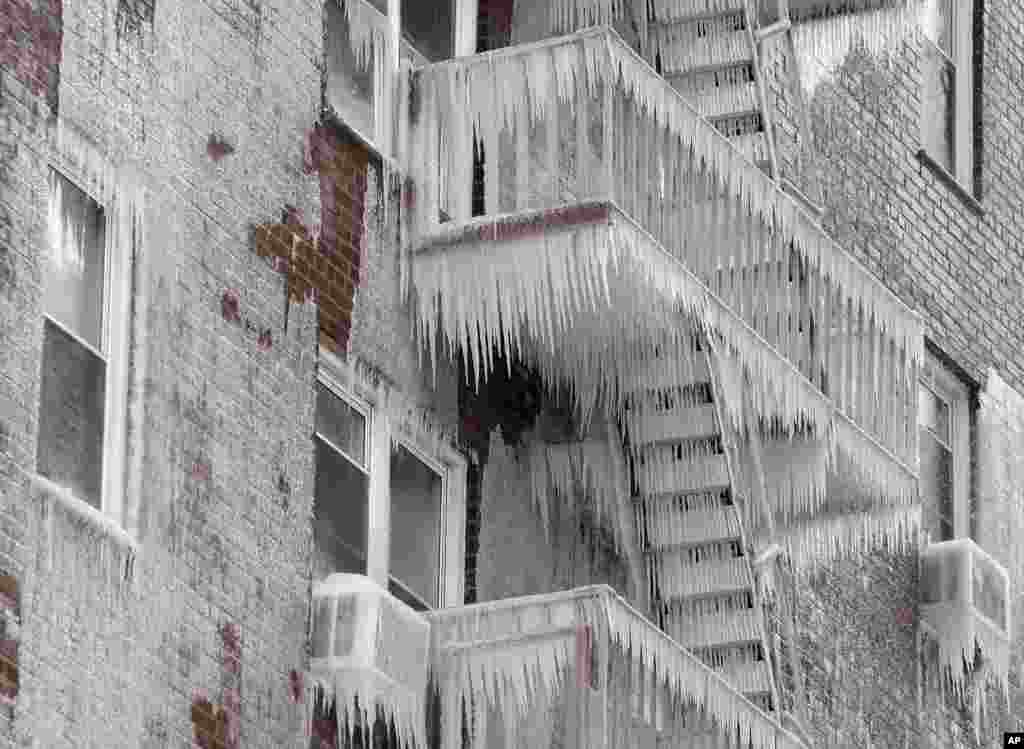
(320, 340)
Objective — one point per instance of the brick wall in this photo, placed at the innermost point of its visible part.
(30, 56)
(963, 272)
(221, 414)
(214, 106)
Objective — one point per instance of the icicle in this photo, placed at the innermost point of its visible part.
(368, 34)
(822, 44)
(105, 537)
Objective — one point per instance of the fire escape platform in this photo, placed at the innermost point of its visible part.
(590, 643)
(606, 187)
(574, 287)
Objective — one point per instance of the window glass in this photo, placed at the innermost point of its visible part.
(341, 487)
(936, 486)
(73, 282)
(416, 498)
(71, 409)
(430, 28)
(350, 76)
(341, 425)
(69, 449)
(339, 513)
(938, 24)
(938, 79)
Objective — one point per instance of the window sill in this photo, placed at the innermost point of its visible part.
(376, 153)
(81, 513)
(951, 182)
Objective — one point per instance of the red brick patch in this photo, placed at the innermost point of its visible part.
(10, 614)
(229, 306)
(30, 42)
(217, 148)
(325, 269)
(295, 686)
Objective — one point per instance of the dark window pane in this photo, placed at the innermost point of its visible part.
(430, 28)
(415, 525)
(931, 580)
(341, 425)
(339, 514)
(73, 280)
(349, 76)
(937, 105)
(938, 25)
(322, 628)
(70, 446)
(936, 486)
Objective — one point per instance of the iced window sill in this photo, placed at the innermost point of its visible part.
(965, 195)
(56, 497)
(376, 152)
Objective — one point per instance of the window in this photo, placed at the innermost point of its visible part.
(359, 87)
(430, 28)
(82, 392)
(947, 96)
(351, 89)
(417, 492)
(383, 507)
(341, 487)
(943, 447)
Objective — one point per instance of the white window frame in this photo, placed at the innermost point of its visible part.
(113, 350)
(962, 42)
(465, 14)
(464, 43)
(364, 409)
(447, 462)
(943, 383)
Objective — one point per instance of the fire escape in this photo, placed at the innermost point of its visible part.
(630, 238)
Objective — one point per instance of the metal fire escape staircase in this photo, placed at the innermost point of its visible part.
(691, 536)
(698, 562)
(708, 51)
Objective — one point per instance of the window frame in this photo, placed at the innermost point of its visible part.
(114, 349)
(943, 383)
(442, 471)
(446, 461)
(963, 42)
(364, 409)
(382, 140)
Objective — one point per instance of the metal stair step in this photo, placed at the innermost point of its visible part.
(681, 48)
(668, 526)
(723, 101)
(678, 580)
(752, 145)
(704, 23)
(649, 424)
(659, 391)
(748, 678)
(670, 10)
(714, 629)
(659, 471)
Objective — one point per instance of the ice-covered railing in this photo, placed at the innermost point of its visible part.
(617, 678)
(583, 117)
(585, 295)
